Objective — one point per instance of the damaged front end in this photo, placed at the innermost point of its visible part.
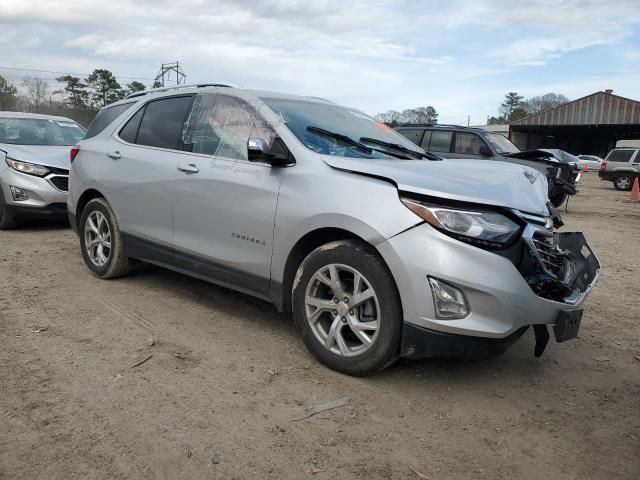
(560, 267)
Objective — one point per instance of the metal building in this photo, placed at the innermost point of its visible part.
(588, 125)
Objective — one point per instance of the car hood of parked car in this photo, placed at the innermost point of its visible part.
(537, 155)
(482, 182)
(47, 155)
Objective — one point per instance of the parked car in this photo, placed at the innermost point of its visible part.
(377, 248)
(593, 161)
(621, 166)
(34, 165)
(454, 141)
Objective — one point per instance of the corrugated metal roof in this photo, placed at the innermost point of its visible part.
(600, 108)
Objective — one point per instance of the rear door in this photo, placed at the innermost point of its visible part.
(468, 145)
(224, 205)
(144, 156)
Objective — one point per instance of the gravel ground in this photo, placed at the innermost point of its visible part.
(226, 376)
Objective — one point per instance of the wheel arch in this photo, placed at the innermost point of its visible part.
(85, 198)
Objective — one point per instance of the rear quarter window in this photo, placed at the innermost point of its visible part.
(104, 118)
(620, 155)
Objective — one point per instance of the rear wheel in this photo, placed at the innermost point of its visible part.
(7, 221)
(623, 182)
(101, 240)
(347, 308)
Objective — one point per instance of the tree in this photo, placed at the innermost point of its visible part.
(390, 118)
(76, 93)
(135, 86)
(36, 92)
(106, 88)
(8, 95)
(544, 102)
(495, 120)
(512, 103)
(411, 115)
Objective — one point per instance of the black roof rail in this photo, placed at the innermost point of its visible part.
(431, 125)
(179, 87)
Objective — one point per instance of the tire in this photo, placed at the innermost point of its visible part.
(347, 350)
(623, 182)
(7, 221)
(558, 199)
(113, 262)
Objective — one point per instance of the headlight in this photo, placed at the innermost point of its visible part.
(485, 229)
(28, 168)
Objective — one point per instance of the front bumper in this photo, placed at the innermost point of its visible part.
(45, 199)
(500, 299)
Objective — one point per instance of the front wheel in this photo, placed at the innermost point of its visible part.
(558, 199)
(623, 182)
(101, 240)
(347, 308)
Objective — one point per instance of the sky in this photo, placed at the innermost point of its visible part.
(460, 56)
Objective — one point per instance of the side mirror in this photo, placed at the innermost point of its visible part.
(259, 151)
(485, 151)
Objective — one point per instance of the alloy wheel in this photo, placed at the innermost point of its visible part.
(342, 310)
(97, 238)
(623, 182)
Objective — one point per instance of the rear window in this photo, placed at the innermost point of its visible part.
(105, 117)
(413, 134)
(620, 155)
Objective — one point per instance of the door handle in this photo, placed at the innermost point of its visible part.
(190, 168)
(114, 155)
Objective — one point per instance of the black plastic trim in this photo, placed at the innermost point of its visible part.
(53, 210)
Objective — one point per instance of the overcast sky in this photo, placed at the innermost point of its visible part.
(460, 56)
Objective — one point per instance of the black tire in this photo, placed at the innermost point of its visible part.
(623, 182)
(385, 347)
(7, 221)
(117, 263)
(558, 199)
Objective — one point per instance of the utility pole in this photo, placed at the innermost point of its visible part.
(164, 74)
(468, 120)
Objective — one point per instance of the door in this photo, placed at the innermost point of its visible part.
(225, 205)
(143, 165)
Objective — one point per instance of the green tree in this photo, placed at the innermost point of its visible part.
(106, 88)
(76, 94)
(512, 103)
(135, 86)
(8, 95)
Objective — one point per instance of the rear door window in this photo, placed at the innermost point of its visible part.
(162, 122)
(620, 155)
(468, 143)
(129, 132)
(440, 141)
(104, 118)
(426, 139)
(413, 134)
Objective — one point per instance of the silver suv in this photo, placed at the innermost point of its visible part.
(378, 249)
(622, 167)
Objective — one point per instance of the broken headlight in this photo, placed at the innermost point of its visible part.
(481, 228)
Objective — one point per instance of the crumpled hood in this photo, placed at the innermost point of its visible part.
(536, 155)
(49, 156)
(477, 181)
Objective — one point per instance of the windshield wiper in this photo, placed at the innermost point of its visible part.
(341, 138)
(398, 147)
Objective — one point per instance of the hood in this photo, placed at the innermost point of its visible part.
(49, 156)
(539, 155)
(483, 182)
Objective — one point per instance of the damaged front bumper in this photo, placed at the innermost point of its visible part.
(545, 283)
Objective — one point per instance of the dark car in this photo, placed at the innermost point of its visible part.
(454, 141)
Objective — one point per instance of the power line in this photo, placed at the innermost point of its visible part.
(68, 73)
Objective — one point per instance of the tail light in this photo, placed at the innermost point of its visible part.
(603, 166)
(73, 153)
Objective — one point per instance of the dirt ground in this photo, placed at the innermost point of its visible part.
(227, 375)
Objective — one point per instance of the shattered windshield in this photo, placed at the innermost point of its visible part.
(331, 129)
(500, 143)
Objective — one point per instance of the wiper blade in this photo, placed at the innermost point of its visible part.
(340, 137)
(400, 148)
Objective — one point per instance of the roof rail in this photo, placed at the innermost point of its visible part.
(179, 87)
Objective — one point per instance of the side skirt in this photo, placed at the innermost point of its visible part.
(202, 268)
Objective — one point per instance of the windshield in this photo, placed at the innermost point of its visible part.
(314, 122)
(37, 131)
(500, 143)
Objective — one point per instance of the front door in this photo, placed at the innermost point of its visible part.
(225, 205)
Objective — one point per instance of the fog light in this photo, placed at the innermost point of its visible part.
(19, 195)
(449, 301)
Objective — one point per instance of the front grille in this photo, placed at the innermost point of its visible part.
(61, 182)
(550, 258)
